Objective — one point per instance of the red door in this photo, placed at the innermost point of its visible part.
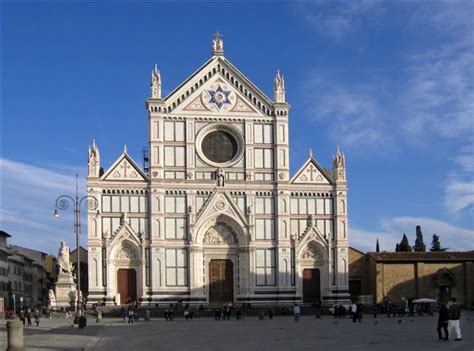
(127, 285)
(221, 285)
(311, 286)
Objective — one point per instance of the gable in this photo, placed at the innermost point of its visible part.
(311, 173)
(124, 169)
(218, 87)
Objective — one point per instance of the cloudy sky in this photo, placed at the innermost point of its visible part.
(390, 82)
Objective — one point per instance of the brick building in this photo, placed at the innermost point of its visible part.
(411, 275)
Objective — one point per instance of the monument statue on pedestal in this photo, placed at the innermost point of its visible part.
(65, 286)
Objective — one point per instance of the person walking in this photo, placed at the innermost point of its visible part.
(454, 316)
(443, 319)
(296, 312)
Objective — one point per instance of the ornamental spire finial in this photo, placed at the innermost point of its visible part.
(155, 83)
(218, 45)
(279, 88)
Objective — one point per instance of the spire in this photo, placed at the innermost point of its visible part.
(218, 45)
(279, 88)
(155, 84)
(310, 153)
(339, 166)
(93, 162)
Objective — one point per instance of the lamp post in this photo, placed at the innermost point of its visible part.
(62, 203)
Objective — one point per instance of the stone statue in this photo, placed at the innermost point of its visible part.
(63, 259)
(220, 177)
(155, 83)
(217, 44)
(51, 297)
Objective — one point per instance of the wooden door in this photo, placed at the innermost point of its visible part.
(127, 285)
(311, 286)
(221, 283)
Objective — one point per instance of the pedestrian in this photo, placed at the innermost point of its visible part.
(454, 316)
(443, 320)
(37, 318)
(186, 313)
(124, 315)
(270, 313)
(131, 315)
(375, 310)
(296, 312)
(28, 317)
(217, 314)
(359, 311)
(353, 309)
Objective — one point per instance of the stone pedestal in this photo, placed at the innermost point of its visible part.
(66, 292)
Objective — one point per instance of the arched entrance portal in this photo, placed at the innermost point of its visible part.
(221, 282)
(127, 285)
(311, 285)
(220, 243)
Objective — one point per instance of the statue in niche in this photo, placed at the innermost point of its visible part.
(312, 252)
(63, 259)
(220, 177)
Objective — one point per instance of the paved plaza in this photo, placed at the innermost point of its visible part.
(281, 333)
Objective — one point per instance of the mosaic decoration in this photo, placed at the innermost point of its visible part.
(219, 97)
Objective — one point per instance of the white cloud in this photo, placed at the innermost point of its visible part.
(338, 20)
(27, 203)
(353, 113)
(392, 230)
(459, 187)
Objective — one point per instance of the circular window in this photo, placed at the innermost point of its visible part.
(219, 145)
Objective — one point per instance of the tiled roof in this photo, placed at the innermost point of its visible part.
(423, 256)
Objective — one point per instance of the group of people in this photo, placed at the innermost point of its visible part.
(448, 319)
(26, 315)
(128, 313)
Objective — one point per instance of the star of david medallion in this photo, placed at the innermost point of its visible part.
(219, 97)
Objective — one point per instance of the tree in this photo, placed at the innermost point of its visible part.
(377, 246)
(397, 247)
(404, 244)
(419, 243)
(436, 245)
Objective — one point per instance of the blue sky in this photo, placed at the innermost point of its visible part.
(391, 83)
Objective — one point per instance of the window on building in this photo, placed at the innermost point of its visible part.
(263, 133)
(263, 158)
(176, 267)
(174, 156)
(200, 200)
(293, 267)
(240, 202)
(265, 267)
(297, 226)
(121, 204)
(264, 229)
(175, 228)
(147, 266)
(175, 204)
(264, 205)
(139, 226)
(174, 131)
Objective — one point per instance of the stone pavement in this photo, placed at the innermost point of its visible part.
(281, 333)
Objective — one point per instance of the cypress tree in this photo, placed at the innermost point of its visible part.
(397, 247)
(419, 243)
(404, 244)
(435, 244)
(377, 246)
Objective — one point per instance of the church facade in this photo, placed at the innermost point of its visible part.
(217, 217)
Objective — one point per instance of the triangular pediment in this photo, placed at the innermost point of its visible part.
(125, 232)
(220, 203)
(311, 235)
(312, 173)
(218, 87)
(125, 169)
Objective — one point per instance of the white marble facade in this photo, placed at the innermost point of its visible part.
(218, 187)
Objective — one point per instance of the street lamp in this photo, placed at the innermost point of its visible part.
(62, 203)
